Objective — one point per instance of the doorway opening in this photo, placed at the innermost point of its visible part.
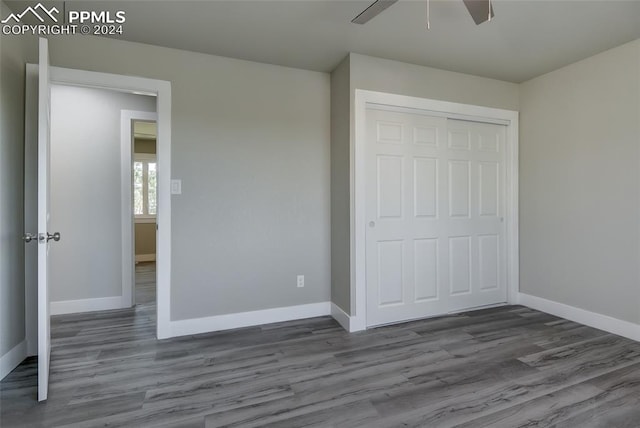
(40, 80)
(144, 174)
(161, 93)
(88, 166)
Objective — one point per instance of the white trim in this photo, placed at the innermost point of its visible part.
(435, 113)
(358, 180)
(247, 319)
(341, 317)
(13, 358)
(145, 257)
(88, 305)
(582, 316)
(163, 246)
(162, 89)
(638, 230)
(126, 201)
(511, 206)
(139, 219)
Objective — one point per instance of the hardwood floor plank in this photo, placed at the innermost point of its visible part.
(357, 414)
(621, 412)
(605, 349)
(433, 404)
(543, 411)
(615, 402)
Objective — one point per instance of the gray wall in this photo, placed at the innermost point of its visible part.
(12, 69)
(580, 184)
(86, 190)
(340, 173)
(253, 154)
(383, 75)
(251, 145)
(395, 77)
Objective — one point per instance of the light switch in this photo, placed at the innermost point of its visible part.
(176, 187)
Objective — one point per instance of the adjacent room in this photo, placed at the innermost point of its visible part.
(320, 213)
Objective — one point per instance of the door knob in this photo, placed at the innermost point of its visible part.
(54, 236)
(28, 237)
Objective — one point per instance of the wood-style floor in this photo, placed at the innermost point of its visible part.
(504, 367)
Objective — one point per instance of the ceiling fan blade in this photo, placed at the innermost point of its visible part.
(479, 10)
(372, 11)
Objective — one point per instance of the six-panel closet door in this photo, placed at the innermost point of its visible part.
(435, 206)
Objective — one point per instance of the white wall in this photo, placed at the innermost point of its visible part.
(251, 144)
(580, 184)
(12, 321)
(86, 190)
(395, 77)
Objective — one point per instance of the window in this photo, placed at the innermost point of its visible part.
(144, 187)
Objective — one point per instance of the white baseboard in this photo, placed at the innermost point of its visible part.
(357, 323)
(341, 316)
(87, 305)
(348, 322)
(13, 358)
(145, 258)
(247, 319)
(582, 316)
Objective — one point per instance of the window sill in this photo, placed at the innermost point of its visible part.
(144, 219)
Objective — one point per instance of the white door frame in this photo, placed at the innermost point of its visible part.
(162, 91)
(365, 99)
(128, 220)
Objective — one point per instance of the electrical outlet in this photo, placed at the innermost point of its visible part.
(300, 281)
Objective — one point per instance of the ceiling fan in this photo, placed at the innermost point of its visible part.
(480, 10)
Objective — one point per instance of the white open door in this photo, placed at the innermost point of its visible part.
(44, 120)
